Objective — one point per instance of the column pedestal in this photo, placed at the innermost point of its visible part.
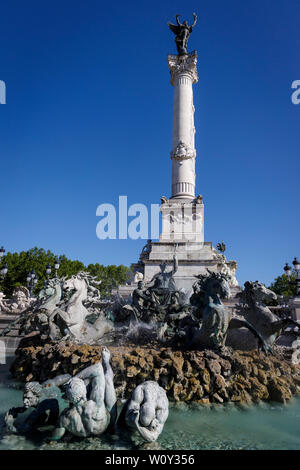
(182, 220)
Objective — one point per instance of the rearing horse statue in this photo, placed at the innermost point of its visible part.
(70, 319)
(215, 317)
(50, 295)
(254, 309)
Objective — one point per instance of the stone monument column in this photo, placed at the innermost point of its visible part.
(183, 212)
(183, 75)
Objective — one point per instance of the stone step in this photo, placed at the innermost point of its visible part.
(8, 346)
(10, 342)
(6, 320)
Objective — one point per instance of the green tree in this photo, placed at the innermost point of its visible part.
(37, 259)
(283, 286)
(110, 276)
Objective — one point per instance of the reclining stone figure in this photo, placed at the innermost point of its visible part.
(46, 410)
(92, 402)
(146, 411)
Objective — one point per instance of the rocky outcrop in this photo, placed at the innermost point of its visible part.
(199, 376)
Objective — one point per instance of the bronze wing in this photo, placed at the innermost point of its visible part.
(174, 28)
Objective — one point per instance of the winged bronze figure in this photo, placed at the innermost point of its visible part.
(182, 32)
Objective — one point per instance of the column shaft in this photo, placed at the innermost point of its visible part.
(183, 75)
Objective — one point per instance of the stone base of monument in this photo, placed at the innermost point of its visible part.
(190, 376)
(194, 258)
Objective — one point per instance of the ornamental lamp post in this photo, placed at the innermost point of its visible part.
(288, 271)
(28, 279)
(4, 270)
(48, 272)
(56, 266)
(296, 264)
(31, 279)
(2, 251)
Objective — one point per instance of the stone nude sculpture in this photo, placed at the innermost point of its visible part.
(46, 410)
(92, 402)
(146, 411)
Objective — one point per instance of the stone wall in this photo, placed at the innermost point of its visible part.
(200, 376)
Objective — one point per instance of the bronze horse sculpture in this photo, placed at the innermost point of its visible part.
(253, 308)
(216, 320)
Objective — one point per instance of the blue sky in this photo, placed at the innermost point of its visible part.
(89, 117)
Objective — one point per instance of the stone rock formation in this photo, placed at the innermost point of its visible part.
(190, 376)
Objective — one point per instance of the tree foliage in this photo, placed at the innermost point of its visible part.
(282, 285)
(37, 259)
(111, 276)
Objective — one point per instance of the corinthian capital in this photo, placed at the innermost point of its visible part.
(183, 64)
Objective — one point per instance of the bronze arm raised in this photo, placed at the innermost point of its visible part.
(195, 21)
(178, 22)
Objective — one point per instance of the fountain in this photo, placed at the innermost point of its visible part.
(118, 366)
(183, 345)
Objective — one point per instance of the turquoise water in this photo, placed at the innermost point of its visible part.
(188, 427)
